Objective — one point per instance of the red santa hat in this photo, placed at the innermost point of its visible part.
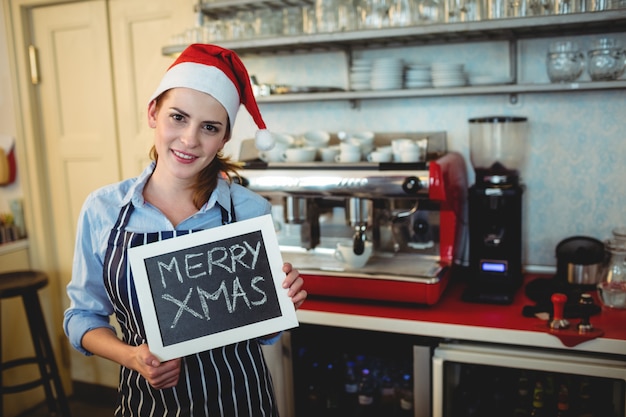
(219, 72)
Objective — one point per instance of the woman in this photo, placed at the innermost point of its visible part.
(185, 188)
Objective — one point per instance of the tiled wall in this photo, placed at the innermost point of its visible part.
(575, 176)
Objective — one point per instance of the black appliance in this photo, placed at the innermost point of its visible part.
(497, 150)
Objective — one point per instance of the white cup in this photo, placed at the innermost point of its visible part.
(284, 139)
(316, 138)
(396, 144)
(306, 154)
(412, 155)
(275, 154)
(349, 147)
(347, 156)
(329, 154)
(379, 156)
(385, 149)
(345, 254)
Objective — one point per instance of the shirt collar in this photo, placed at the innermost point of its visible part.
(221, 194)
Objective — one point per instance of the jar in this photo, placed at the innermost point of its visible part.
(612, 288)
(606, 60)
(565, 62)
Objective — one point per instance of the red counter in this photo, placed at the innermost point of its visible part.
(452, 318)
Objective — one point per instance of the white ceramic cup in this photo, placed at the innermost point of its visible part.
(316, 138)
(347, 156)
(349, 147)
(275, 154)
(329, 154)
(284, 139)
(345, 254)
(379, 156)
(412, 155)
(306, 154)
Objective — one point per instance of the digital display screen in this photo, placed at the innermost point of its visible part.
(493, 266)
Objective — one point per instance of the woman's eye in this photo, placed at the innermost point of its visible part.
(210, 128)
(178, 117)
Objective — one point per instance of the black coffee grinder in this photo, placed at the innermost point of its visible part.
(497, 152)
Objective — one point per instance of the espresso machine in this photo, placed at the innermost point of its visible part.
(497, 153)
(413, 214)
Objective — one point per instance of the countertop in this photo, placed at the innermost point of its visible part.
(452, 318)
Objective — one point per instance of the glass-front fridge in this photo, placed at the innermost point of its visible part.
(471, 380)
(341, 372)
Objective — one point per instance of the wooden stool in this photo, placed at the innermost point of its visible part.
(25, 284)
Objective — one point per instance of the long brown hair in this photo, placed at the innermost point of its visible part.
(220, 167)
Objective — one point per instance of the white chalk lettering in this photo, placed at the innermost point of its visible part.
(182, 306)
(260, 291)
(238, 292)
(188, 266)
(211, 258)
(173, 265)
(255, 252)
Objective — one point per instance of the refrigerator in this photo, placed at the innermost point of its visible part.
(494, 380)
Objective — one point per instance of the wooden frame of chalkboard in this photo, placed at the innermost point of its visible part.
(211, 288)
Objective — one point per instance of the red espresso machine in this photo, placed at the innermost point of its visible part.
(414, 215)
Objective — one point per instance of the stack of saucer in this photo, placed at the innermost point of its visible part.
(387, 74)
(448, 75)
(417, 76)
(360, 74)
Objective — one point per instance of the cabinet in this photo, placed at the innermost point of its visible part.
(511, 30)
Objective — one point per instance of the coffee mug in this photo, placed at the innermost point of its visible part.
(345, 254)
(329, 154)
(345, 156)
(299, 154)
(379, 156)
(410, 156)
(275, 154)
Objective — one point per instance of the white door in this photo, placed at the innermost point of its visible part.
(77, 130)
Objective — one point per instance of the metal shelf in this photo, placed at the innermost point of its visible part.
(486, 30)
(512, 89)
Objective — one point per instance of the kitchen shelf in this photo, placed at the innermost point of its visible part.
(512, 89)
(510, 30)
(485, 30)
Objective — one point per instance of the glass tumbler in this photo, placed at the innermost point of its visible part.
(564, 61)
(612, 288)
(606, 60)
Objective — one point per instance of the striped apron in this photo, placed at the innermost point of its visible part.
(232, 381)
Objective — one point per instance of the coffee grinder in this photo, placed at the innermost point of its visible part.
(497, 152)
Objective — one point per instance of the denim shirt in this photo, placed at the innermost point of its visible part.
(90, 306)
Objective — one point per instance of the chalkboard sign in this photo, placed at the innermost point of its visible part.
(211, 288)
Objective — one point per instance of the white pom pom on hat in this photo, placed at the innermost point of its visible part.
(219, 72)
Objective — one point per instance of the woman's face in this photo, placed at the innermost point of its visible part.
(190, 129)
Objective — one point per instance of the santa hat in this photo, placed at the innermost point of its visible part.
(219, 72)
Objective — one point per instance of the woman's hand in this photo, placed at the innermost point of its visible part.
(294, 282)
(159, 374)
(103, 342)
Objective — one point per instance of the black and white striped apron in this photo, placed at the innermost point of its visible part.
(230, 381)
